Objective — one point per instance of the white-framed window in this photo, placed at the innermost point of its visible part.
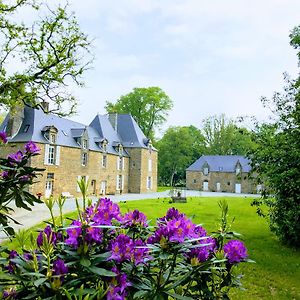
(120, 163)
(237, 171)
(84, 159)
(84, 144)
(149, 182)
(104, 146)
(149, 165)
(52, 138)
(51, 155)
(104, 161)
(120, 182)
(205, 171)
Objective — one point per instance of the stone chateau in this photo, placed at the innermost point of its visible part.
(112, 153)
(221, 173)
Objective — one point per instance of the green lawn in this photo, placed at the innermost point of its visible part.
(276, 273)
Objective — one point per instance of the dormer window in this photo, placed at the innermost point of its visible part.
(104, 145)
(120, 149)
(238, 171)
(84, 144)
(205, 171)
(52, 138)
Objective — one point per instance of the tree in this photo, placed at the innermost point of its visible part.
(148, 106)
(225, 137)
(178, 148)
(277, 159)
(48, 55)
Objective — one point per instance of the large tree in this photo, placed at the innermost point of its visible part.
(224, 137)
(277, 158)
(39, 59)
(148, 106)
(178, 148)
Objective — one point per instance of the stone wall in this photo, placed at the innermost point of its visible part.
(66, 174)
(220, 182)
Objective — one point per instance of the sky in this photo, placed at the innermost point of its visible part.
(209, 56)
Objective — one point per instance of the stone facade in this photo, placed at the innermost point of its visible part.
(220, 182)
(111, 153)
(229, 174)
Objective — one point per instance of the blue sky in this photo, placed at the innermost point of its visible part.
(209, 56)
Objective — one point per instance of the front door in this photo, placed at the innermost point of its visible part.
(103, 188)
(49, 188)
(238, 188)
(205, 185)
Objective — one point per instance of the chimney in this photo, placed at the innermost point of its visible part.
(113, 119)
(45, 106)
(16, 117)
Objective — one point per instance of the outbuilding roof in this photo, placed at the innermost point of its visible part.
(221, 163)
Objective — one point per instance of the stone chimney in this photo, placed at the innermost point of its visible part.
(113, 119)
(16, 117)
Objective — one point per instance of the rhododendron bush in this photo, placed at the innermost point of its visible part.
(104, 254)
(108, 255)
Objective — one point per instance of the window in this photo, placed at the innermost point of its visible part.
(195, 181)
(83, 159)
(149, 182)
(150, 165)
(120, 182)
(51, 155)
(52, 138)
(120, 150)
(237, 171)
(104, 146)
(50, 175)
(104, 161)
(120, 163)
(205, 171)
(84, 144)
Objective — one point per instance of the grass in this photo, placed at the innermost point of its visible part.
(163, 188)
(276, 273)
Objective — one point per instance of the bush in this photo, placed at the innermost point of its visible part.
(106, 255)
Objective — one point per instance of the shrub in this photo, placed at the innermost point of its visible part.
(108, 255)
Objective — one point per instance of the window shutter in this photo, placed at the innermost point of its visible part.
(123, 163)
(118, 163)
(122, 182)
(86, 179)
(57, 158)
(117, 185)
(150, 165)
(78, 179)
(46, 154)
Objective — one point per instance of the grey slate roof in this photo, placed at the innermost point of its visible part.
(221, 163)
(128, 132)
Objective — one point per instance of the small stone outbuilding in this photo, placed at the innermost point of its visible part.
(221, 173)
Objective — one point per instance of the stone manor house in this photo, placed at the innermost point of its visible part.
(221, 173)
(112, 153)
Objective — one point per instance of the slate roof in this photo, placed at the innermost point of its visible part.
(221, 163)
(127, 134)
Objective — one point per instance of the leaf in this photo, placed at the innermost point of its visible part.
(39, 282)
(176, 296)
(102, 272)
(85, 262)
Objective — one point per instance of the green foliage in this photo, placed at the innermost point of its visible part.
(225, 137)
(277, 159)
(148, 106)
(178, 148)
(51, 52)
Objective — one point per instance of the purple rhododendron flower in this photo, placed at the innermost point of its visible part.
(74, 232)
(16, 157)
(121, 248)
(135, 218)
(140, 253)
(106, 211)
(32, 148)
(9, 294)
(174, 227)
(202, 253)
(28, 256)
(59, 267)
(200, 231)
(11, 265)
(25, 178)
(235, 251)
(4, 174)
(94, 234)
(51, 236)
(3, 137)
(117, 287)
